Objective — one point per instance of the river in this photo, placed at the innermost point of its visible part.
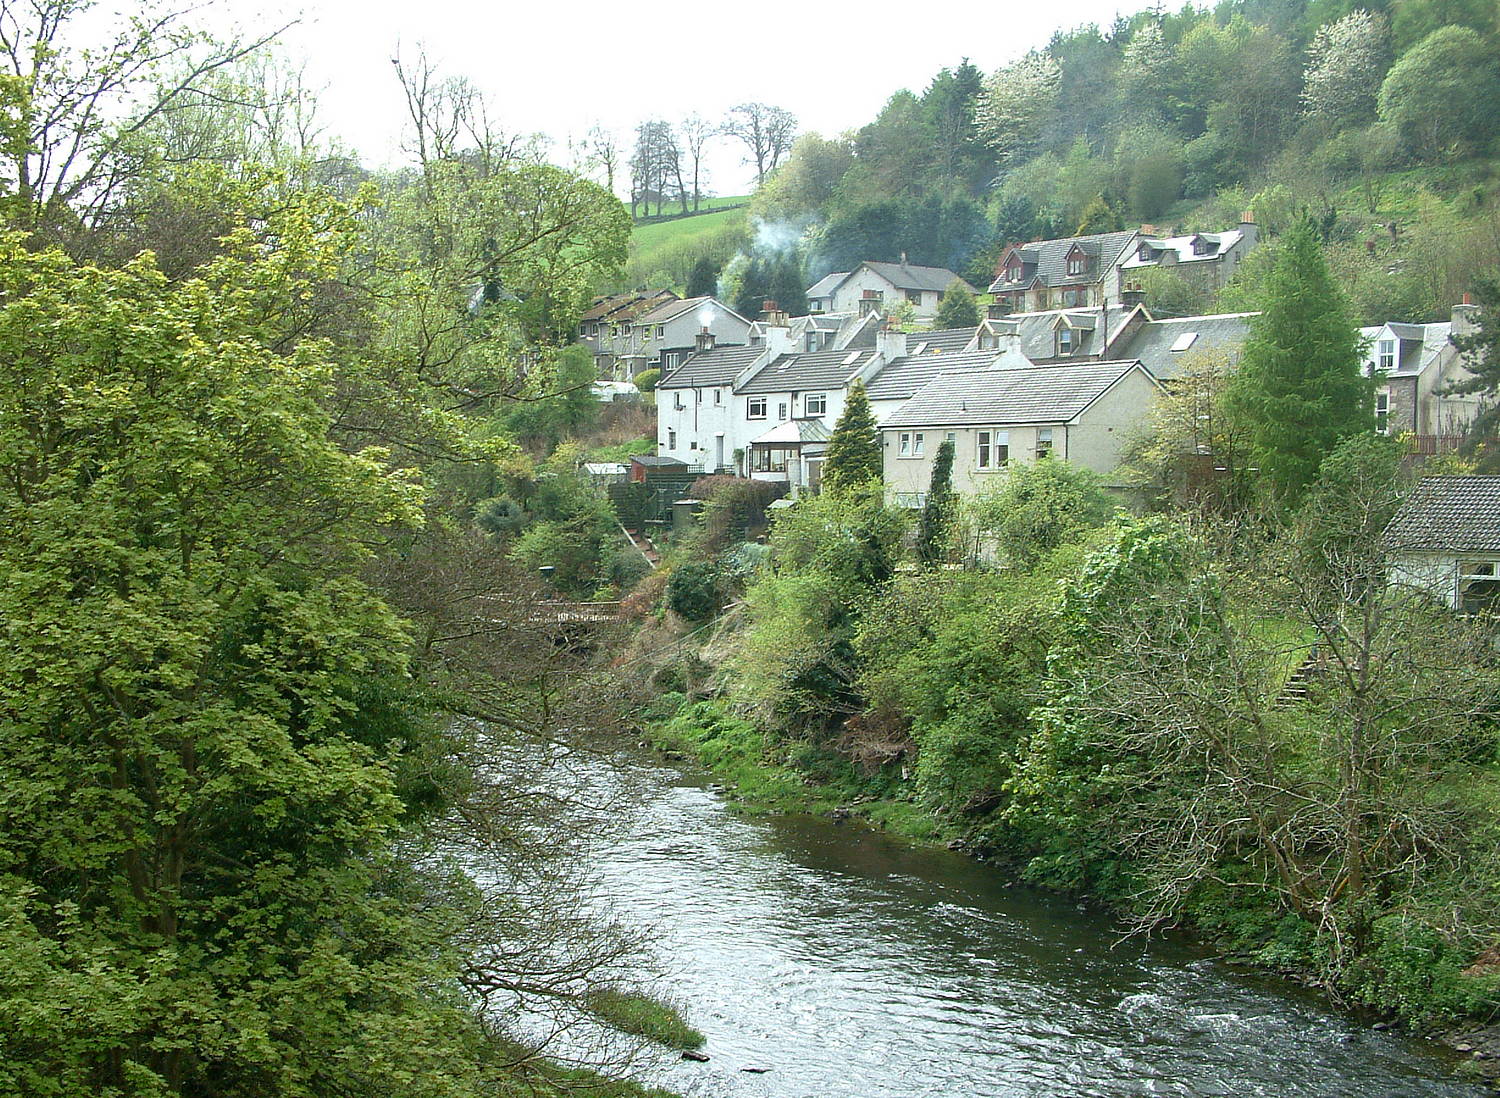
(848, 964)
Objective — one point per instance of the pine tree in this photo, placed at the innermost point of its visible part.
(854, 456)
(1299, 390)
(788, 287)
(754, 290)
(937, 512)
(703, 280)
(957, 309)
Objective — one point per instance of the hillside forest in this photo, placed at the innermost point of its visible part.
(1374, 118)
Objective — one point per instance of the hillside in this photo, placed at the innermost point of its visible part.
(662, 252)
(1375, 121)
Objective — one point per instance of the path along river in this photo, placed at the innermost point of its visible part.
(853, 965)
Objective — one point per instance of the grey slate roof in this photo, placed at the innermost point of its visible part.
(944, 340)
(717, 367)
(1152, 343)
(807, 372)
(1419, 346)
(663, 313)
(903, 377)
(1041, 394)
(908, 276)
(1459, 513)
(824, 286)
(1038, 332)
(1047, 260)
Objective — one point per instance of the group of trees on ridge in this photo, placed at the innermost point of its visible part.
(1182, 118)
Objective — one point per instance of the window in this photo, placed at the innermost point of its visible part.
(1387, 359)
(1044, 442)
(677, 399)
(903, 446)
(1076, 263)
(755, 408)
(1383, 412)
(994, 449)
(815, 404)
(951, 436)
(1065, 341)
(671, 440)
(914, 296)
(718, 396)
(781, 411)
(1013, 271)
(669, 360)
(1202, 245)
(661, 331)
(918, 444)
(1478, 587)
(812, 342)
(768, 460)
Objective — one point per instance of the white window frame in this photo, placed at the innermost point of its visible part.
(903, 445)
(671, 439)
(1044, 442)
(677, 403)
(1382, 411)
(718, 396)
(1385, 357)
(1064, 341)
(670, 360)
(818, 399)
(781, 411)
(750, 406)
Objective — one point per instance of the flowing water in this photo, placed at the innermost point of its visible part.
(847, 964)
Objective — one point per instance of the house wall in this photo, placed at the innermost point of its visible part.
(1097, 441)
(851, 292)
(1434, 572)
(697, 425)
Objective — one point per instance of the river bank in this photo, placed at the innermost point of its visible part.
(756, 782)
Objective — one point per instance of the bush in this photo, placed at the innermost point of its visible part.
(646, 380)
(693, 591)
(501, 517)
(643, 1016)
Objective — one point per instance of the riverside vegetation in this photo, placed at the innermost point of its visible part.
(1097, 700)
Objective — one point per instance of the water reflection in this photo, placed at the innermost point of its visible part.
(848, 964)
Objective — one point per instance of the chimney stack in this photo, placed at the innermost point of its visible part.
(771, 314)
(903, 259)
(890, 341)
(1464, 314)
(1132, 295)
(705, 340)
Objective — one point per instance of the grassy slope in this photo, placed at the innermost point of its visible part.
(650, 244)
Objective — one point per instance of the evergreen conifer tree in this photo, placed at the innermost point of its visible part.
(938, 510)
(703, 280)
(1299, 390)
(788, 287)
(854, 450)
(958, 308)
(754, 290)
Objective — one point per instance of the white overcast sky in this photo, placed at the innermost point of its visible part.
(560, 66)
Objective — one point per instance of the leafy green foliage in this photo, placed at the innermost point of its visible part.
(693, 590)
(1037, 508)
(644, 1016)
(1437, 94)
(958, 309)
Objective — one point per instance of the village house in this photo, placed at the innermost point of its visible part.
(1100, 269)
(1203, 260)
(1081, 413)
(1415, 363)
(883, 287)
(605, 315)
(1445, 539)
(662, 337)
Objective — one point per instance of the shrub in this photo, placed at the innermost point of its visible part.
(693, 591)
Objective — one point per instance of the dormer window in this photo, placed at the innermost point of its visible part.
(1075, 264)
(1013, 270)
(1146, 253)
(1387, 358)
(1202, 245)
(1065, 341)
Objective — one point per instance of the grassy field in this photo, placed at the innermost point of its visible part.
(670, 248)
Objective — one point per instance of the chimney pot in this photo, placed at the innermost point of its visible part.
(1468, 298)
(1247, 218)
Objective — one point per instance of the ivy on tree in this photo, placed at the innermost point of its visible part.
(937, 512)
